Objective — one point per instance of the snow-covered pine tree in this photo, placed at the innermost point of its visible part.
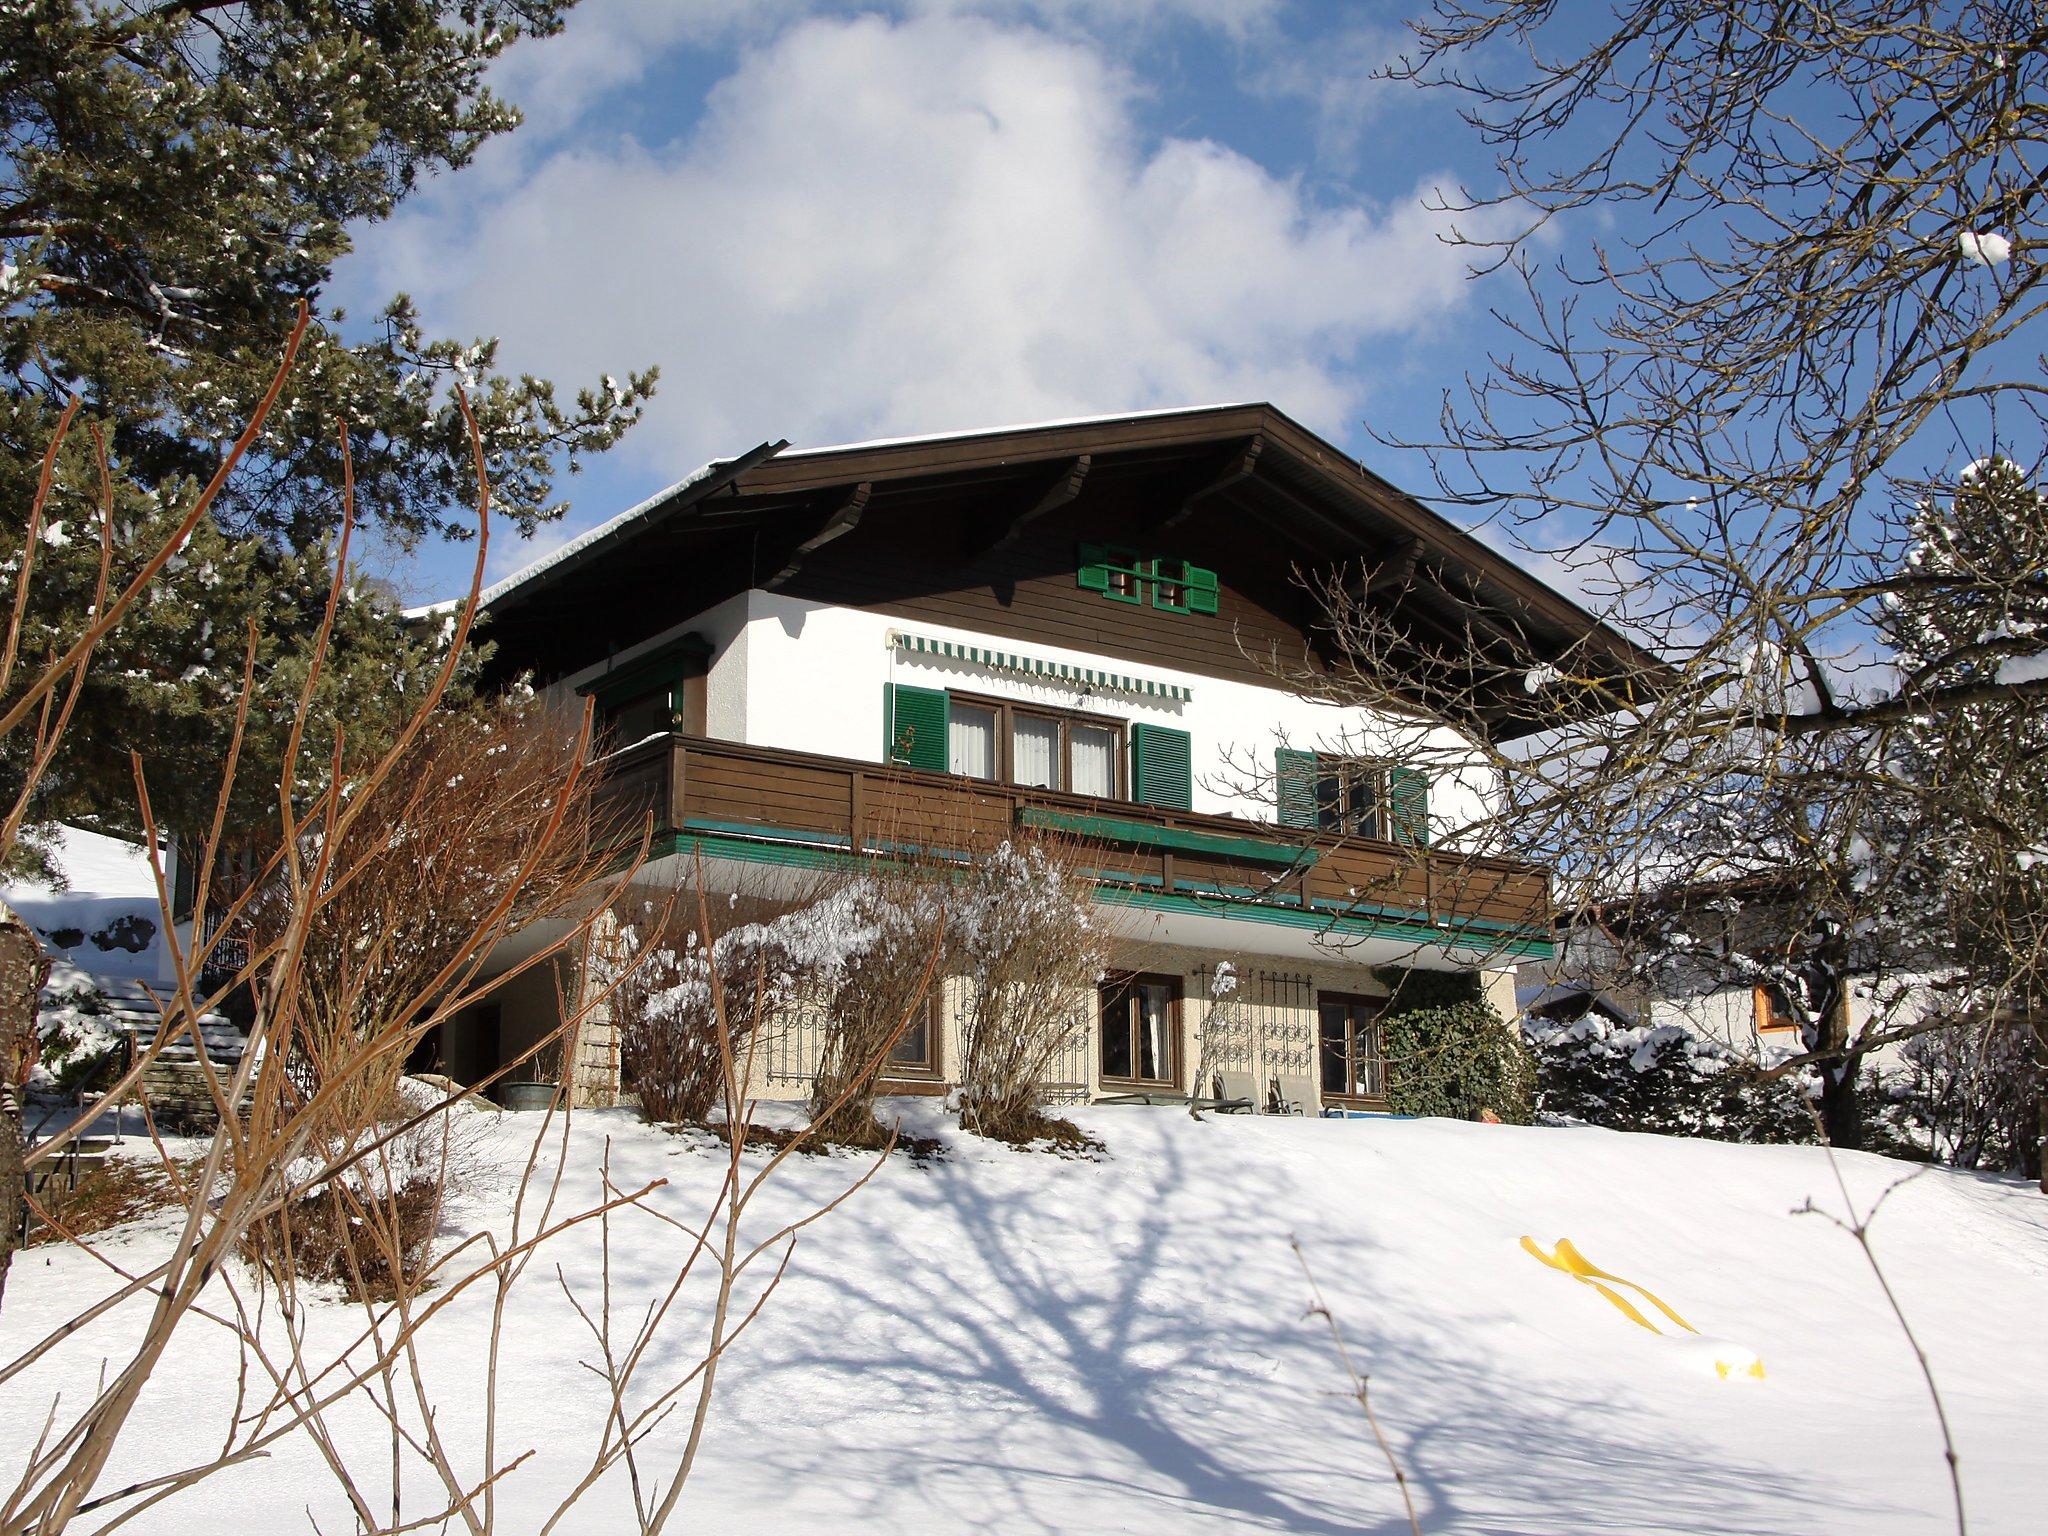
(1968, 619)
(178, 178)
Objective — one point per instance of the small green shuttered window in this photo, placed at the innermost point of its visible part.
(1350, 796)
(1162, 767)
(1125, 576)
(914, 726)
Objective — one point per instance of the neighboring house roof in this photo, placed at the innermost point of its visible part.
(1566, 1002)
(753, 521)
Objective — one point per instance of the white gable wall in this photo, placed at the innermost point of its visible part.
(810, 677)
(816, 676)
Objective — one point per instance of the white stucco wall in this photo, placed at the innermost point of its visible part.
(815, 675)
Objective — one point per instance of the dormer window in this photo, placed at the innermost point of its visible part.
(1127, 576)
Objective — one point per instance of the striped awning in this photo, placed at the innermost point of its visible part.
(1018, 665)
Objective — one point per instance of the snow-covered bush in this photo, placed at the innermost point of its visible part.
(1450, 1053)
(1967, 1095)
(1661, 1078)
(1031, 950)
(900, 915)
(77, 1031)
(667, 1010)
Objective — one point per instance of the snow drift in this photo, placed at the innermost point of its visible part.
(1010, 1342)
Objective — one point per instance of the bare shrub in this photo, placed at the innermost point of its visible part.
(369, 1228)
(897, 915)
(464, 820)
(265, 1162)
(1031, 946)
(120, 1190)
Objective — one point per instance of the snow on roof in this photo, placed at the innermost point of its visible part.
(1022, 426)
(582, 541)
(107, 921)
(94, 864)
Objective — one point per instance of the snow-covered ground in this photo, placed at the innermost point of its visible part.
(1006, 1342)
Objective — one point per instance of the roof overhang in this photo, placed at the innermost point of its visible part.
(1252, 455)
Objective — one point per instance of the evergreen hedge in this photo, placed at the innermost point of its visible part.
(1448, 1050)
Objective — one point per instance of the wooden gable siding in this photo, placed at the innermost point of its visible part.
(904, 566)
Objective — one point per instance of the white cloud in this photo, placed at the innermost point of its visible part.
(897, 226)
(610, 44)
(509, 552)
(1337, 79)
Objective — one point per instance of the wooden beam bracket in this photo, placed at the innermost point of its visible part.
(1062, 488)
(836, 524)
(1219, 476)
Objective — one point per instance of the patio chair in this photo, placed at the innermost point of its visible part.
(1293, 1093)
(1235, 1093)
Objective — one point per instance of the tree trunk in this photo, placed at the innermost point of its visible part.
(1841, 1105)
(2040, 1033)
(23, 969)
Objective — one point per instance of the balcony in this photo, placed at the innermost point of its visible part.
(729, 802)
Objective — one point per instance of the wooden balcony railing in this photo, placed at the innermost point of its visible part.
(697, 787)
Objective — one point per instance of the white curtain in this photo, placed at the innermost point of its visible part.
(1155, 1005)
(1094, 754)
(971, 741)
(1035, 753)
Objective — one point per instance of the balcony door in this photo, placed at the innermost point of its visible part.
(1349, 1048)
(1140, 1038)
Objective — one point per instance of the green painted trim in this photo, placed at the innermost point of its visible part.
(749, 829)
(771, 845)
(1322, 921)
(1035, 666)
(668, 663)
(1118, 829)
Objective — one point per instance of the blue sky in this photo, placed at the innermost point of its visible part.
(828, 222)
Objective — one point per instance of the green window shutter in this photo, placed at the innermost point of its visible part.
(1170, 573)
(1294, 787)
(914, 726)
(1408, 806)
(1162, 768)
(1094, 568)
(1201, 589)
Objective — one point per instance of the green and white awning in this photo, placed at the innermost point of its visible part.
(1018, 665)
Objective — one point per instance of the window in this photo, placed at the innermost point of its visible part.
(1093, 752)
(1349, 1048)
(1773, 1009)
(1141, 1031)
(621, 722)
(971, 740)
(1125, 576)
(1036, 748)
(1036, 757)
(658, 692)
(916, 1051)
(1352, 797)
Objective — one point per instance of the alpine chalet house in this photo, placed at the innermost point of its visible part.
(1080, 628)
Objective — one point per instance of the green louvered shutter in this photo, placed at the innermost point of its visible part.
(1201, 590)
(1294, 787)
(1408, 805)
(1162, 768)
(1094, 568)
(914, 726)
